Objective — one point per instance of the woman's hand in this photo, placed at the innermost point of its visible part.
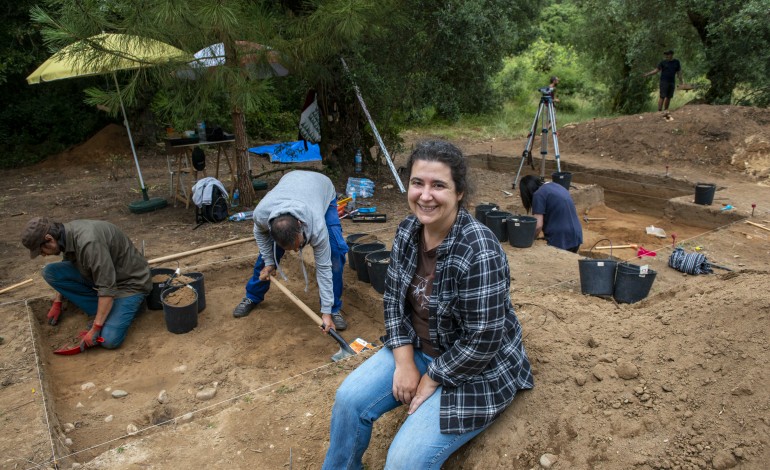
(425, 389)
(405, 381)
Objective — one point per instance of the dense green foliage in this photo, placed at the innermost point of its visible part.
(469, 62)
(35, 121)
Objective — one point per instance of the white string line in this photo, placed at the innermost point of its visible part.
(40, 380)
(213, 405)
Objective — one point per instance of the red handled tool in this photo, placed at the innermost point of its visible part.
(76, 349)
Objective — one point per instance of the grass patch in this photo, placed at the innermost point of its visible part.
(512, 121)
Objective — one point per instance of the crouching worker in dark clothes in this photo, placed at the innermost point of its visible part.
(101, 272)
(554, 209)
(453, 352)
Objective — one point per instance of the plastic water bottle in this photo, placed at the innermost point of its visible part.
(352, 204)
(236, 198)
(358, 161)
(240, 216)
(201, 131)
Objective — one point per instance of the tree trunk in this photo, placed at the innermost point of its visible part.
(721, 76)
(722, 85)
(243, 179)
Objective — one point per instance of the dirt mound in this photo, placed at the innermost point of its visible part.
(720, 137)
(110, 142)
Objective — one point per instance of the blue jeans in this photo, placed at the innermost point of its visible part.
(256, 289)
(65, 278)
(365, 395)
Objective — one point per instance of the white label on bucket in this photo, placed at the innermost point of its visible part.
(517, 224)
(643, 270)
(600, 263)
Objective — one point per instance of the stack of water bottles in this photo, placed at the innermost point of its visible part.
(361, 187)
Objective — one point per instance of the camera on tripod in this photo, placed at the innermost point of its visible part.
(546, 90)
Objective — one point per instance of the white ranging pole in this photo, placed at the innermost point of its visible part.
(374, 129)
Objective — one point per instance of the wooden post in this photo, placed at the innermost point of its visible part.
(199, 250)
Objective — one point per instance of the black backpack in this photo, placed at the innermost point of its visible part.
(214, 212)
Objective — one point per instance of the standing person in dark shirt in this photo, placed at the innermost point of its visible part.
(453, 352)
(101, 272)
(669, 69)
(553, 208)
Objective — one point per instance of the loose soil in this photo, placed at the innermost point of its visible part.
(676, 381)
(181, 297)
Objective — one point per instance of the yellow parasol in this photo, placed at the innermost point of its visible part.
(107, 53)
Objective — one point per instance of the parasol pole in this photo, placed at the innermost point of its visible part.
(130, 139)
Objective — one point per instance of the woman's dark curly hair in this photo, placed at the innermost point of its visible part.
(451, 156)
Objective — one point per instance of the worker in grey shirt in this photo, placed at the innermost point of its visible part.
(101, 272)
(301, 210)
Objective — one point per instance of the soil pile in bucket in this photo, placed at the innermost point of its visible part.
(181, 280)
(181, 297)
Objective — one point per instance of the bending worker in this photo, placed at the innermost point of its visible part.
(101, 272)
(554, 209)
(300, 210)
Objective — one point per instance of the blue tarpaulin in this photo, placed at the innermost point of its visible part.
(289, 152)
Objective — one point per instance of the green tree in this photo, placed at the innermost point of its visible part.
(35, 121)
(735, 35)
(727, 40)
(404, 56)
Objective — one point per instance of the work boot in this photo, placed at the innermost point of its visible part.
(244, 308)
(339, 323)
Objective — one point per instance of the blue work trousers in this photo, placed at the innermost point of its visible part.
(365, 395)
(65, 278)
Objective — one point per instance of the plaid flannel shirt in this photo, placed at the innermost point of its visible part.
(482, 361)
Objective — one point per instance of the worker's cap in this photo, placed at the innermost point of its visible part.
(34, 234)
(669, 52)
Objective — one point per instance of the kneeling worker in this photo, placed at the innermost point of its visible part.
(553, 208)
(101, 272)
(300, 210)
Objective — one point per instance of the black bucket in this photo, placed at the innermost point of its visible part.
(482, 209)
(496, 223)
(597, 276)
(632, 283)
(521, 230)
(704, 193)
(377, 265)
(351, 242)
(564, 178)
(360, 252)
(200, 289)
(183, 318)
(153, 300)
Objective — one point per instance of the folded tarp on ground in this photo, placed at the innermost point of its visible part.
(289, 152)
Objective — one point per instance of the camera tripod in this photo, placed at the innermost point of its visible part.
(548, 121)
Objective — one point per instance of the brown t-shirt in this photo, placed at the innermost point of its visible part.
(419, 296)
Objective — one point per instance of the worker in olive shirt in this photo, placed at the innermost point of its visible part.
(101, 272)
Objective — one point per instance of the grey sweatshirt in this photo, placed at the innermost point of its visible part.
(306, 195)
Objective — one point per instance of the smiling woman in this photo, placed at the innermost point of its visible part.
(453, 338)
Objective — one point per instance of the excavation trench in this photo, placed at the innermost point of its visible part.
(620, 205)
(171, 385)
